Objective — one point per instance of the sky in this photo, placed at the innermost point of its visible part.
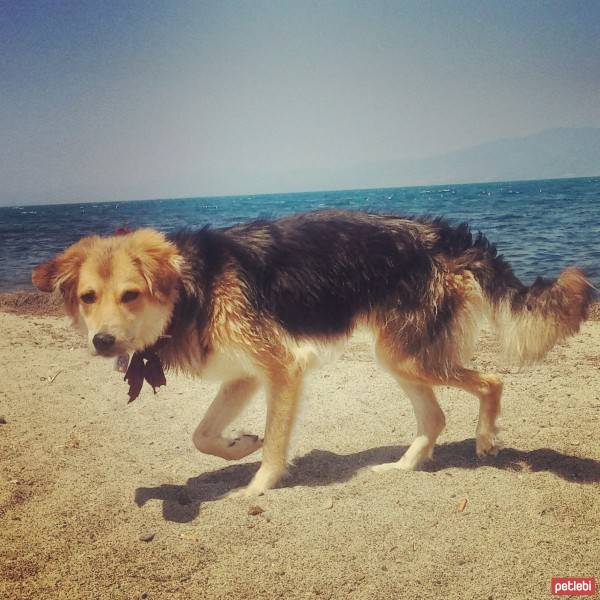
(151, 99)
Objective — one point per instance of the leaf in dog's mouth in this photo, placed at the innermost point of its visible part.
(144, 365)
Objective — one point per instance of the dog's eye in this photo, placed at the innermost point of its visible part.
(88, 298)
(130, 296)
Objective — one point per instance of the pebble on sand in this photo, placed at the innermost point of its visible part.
(147, 537)
(328, 503)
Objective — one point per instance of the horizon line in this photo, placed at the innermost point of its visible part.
(299, 192)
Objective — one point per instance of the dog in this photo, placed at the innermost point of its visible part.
(261, 304)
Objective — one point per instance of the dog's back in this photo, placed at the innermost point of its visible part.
(421, 283)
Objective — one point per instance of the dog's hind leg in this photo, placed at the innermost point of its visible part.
(430, 423)
(283, 397)
(429, 416)
(227, 405)
(488, 388)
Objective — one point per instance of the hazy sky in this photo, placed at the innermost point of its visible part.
(146, 99)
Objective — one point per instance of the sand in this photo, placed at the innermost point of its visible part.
(84, 476)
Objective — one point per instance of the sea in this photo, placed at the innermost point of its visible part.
(539, 226)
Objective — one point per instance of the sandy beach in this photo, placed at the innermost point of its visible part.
(101, 499)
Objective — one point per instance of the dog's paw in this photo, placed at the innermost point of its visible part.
(265, 479)
(239, 493)
(242, 446)
(487, 444)
(383, 468)
(229, 449)
(400, 465)
(412, 459)
(246, 492)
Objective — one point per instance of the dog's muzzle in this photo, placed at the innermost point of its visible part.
(103, 342)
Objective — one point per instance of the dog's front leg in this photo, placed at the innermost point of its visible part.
(283, 396)
(227, 405)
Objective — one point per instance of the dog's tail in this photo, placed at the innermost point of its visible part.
(531, 320)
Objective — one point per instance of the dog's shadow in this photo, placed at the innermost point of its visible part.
(182, 503)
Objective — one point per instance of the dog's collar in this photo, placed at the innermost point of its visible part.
(146, 365)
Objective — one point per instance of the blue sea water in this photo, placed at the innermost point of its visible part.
(540, 226)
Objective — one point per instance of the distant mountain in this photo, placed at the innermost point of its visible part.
(554, 153)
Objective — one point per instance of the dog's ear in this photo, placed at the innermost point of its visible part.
(158, 260)
(44, 275)
(62, 272)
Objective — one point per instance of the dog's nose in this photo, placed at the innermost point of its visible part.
(103, 341)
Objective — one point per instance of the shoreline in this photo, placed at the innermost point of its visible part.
(41, 304)
(32, 303)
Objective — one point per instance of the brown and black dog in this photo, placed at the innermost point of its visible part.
(260, 303)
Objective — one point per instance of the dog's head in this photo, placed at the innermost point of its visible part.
(120, 290)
